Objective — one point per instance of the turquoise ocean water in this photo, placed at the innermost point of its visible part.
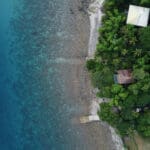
(32, 111)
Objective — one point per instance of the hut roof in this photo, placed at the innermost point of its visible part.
(123, 77)
(138, 15)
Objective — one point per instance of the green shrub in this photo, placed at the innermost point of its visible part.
(145, 3)
(144, 124)
(144, 38)
(91, 64)
(106, 114)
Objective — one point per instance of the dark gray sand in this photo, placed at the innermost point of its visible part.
(92, 136)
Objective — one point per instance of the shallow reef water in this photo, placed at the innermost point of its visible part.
(32, 108)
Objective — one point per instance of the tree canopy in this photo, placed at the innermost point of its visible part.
(123, 46)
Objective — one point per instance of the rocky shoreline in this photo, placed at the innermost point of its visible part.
(95, 16)
(79, 93)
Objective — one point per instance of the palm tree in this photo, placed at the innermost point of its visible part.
(124, 52)
(137, 52)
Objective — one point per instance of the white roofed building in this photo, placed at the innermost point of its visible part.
(138, 15)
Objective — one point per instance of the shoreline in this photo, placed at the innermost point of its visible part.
(79, 93)
(78, 90)
(95, 16)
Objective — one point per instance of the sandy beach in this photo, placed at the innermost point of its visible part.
(96, 135)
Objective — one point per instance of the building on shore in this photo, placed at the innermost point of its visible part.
(123, 77)
(138, 16)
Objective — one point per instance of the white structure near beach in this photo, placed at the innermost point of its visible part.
(90, 118)
(138, 15)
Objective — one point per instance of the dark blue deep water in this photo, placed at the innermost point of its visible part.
(32, 110)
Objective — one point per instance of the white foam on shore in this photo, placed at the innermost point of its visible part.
(95, 15)
(116, 139)
(94, 108)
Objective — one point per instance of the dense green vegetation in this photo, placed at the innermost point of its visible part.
(123, 46)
